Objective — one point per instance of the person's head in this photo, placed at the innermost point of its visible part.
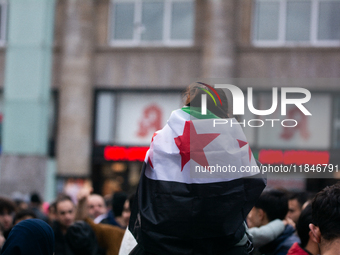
(326, 215)
(96, 205)
(81, 239)
(302, 225)
(295, 203)
(65, 211)
(35, 199)
(7, 211)
(193, 97)
(29, 237)
(118, 201)
(271, 205)
(127, 210)
(23, 215)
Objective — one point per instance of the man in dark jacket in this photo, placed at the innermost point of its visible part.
(270, 206)
(65, 216)
(114, 216)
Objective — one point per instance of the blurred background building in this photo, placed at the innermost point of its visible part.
(86, 83)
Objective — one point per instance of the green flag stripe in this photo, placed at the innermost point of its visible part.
(196, 112)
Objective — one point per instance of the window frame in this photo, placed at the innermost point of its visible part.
(137, 41)
(281, 41)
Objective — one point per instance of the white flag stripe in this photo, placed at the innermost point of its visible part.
(223, 151)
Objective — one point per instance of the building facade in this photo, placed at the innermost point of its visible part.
(120, 66)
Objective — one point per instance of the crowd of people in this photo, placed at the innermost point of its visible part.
(91, 225)
(281, 222)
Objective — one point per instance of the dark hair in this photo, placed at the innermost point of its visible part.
(118, 201)
(274, 203)
(193, 94)
(7, 204)
(301, 197)
(326, 212)
(35, 198)
(302, 225)
(81, 238)
(23, 213)
(62, 198)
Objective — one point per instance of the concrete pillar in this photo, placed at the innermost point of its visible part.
(26, 96)
(75, 104)
(219, 39)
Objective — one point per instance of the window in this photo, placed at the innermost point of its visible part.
(336, 127)
(3, 21)
(292, 22)
(131, 118)
(152, 22)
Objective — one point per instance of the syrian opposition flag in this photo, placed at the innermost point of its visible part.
(187, 201)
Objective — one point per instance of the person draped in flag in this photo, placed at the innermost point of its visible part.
(193, 197)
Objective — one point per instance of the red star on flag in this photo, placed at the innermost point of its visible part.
(197, 142)
(243, 143)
